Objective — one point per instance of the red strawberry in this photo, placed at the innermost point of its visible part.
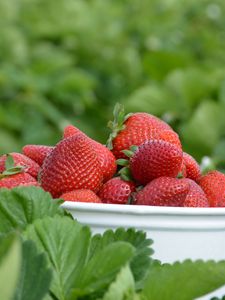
(155, 159)
(20, 179)
(81, 196)
(72, 164)
(192, 167)
(37, 152)
(31, 166)
(163, 191)
(196, 196)
(137, 129)
(106, 158)
(213, 184)
(116, 191)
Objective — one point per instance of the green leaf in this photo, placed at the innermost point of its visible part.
(141, 260)
(122, 162)
(10, 261)
(66, 244)
(21, 206)
(33, 270)
(9, 163)
(102, 268)
(183, 281)
(123, 288)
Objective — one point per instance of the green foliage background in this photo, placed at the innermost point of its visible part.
(65, 61)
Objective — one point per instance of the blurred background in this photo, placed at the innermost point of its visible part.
(70, 61)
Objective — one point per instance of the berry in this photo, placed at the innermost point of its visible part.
(192, 167)
(196, 196)
(163, 191)
(116, 191)
(72, 164)
(155, 159)
(213, 184)
(37, 153)
(29, 165)
(20, 179)
(81, 196)
(106, 158)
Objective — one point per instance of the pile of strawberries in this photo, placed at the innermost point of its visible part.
(142, 164)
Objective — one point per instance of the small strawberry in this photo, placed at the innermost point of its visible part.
(106, 158)
(37, 152)
(72, 164)
(116, 191)
(135, 129)
(29, 165)
(155, 159)
(81, 196)
(213, 184)
(20, 179)
(163, 191)
(196, 196)
(192, 167)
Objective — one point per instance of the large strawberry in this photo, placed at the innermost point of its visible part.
(116, 191)
(19, 179)
(29, 165)
(163, 191)
(196, 196)
(37, 153)
(82, 195)
(135, 129)
(106, 158)
(72, 164)
(192, 167)
(213, 184)
(155, 159)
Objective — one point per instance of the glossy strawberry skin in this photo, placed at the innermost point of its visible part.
(20, 179)
(37, 153)
(163, 191)
(116, 191)
(155, 159)
(82, 195)
(196, 196)
(192, 167)
(72, 164)
(213, 184)
(106, 158)
(31, 166)
(141, 127)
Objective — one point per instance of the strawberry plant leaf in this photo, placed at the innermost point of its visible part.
(140, 262)
(33, 269)
(10, 255)
(102, 269)
(123, 287)
(21, 206)
(9, 163)
(183, 281)
(66, 244)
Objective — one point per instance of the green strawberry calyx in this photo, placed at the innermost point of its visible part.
(125, 172)
(117, 124)
(10, 168)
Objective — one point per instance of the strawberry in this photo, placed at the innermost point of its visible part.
(29, 165)
(116, 191)
(20, 179)
(37, 152)
(155, 159)
(135, 129)
(163, 191)
(72, 164)
(196, 196)
(106, 158)
(81, 196)
(213, 184)
(192, 167)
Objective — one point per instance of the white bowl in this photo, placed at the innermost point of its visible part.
(178, 233)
